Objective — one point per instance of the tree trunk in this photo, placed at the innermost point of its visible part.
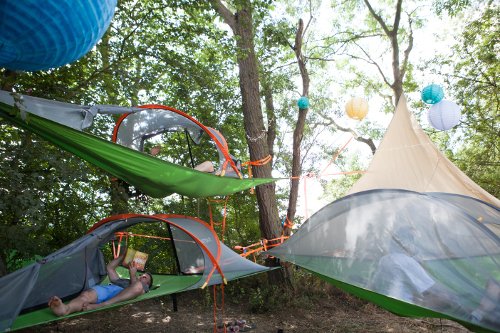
(398, 68)
(7, 83)
(118, 190)
(254, 123)
(119, 197)
(271, 118)
(241, 24)
(299, 127)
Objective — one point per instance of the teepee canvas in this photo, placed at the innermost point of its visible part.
(407, 159)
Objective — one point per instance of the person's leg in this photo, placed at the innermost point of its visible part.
(60, 309)
(126, 294)
(206, 166)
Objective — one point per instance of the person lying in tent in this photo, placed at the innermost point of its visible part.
(206, 166)
(118, 290)
(401, 276)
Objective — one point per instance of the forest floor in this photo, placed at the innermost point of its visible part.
(322, 308)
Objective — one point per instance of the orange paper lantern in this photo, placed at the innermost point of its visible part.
(356, 108)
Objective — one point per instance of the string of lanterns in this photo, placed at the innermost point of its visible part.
(356, 108)
(442, 115)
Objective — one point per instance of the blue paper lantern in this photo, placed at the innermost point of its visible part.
(432, 94)
(43, 34)
(303, 102)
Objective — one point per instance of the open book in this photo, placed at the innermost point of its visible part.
(139, 258)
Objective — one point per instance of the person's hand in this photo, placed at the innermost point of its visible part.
(132, 268)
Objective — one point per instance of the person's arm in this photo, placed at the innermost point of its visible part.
(132, 270)
(113, 264)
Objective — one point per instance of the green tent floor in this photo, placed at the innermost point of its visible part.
(396, 306)
(163, 285)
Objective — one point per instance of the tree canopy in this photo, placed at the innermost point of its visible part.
(240, 66)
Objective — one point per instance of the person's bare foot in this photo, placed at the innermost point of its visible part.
(58, 307)
(88, 306)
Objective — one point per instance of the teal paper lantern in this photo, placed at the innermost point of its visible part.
(303, 102)
(432, 94)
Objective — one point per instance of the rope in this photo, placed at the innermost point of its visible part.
(336, 155)
(130, 234)
(265, 244)
(287, 223)
(117, 248)
(260, 162)
(224, 215)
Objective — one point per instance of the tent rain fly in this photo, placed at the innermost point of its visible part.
(201, 260)
(61, 124)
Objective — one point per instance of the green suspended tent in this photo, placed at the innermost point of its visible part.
(412, 226)
(184, 253)
(62, 124)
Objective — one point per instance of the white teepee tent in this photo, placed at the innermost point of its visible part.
(407, 159)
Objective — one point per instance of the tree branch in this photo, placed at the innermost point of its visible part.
(397, 18)
(378, 18)
(225, 13)
(355, 135)
(404, 66)
(373, 62)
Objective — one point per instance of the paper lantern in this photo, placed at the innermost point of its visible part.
(38, 35)
(303, 102)
(432, 94)
(444, 115)
(356, 108)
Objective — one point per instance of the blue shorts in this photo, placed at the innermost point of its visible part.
(106, 292)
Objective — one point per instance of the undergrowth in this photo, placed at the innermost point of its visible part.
(259, 296)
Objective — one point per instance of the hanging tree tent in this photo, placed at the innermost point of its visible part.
(200, 259)
(62, 124)
(412, 206)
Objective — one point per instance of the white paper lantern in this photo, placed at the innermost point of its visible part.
(444, 115)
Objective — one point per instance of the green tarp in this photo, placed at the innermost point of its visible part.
(414, 254)
(163, 285)
(396, 306)
(154, 177)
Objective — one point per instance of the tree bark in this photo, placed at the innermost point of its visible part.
(7, 84)
(241, 24)
(271, 118)
(299, 127)
(118, 190)
(398, 68)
